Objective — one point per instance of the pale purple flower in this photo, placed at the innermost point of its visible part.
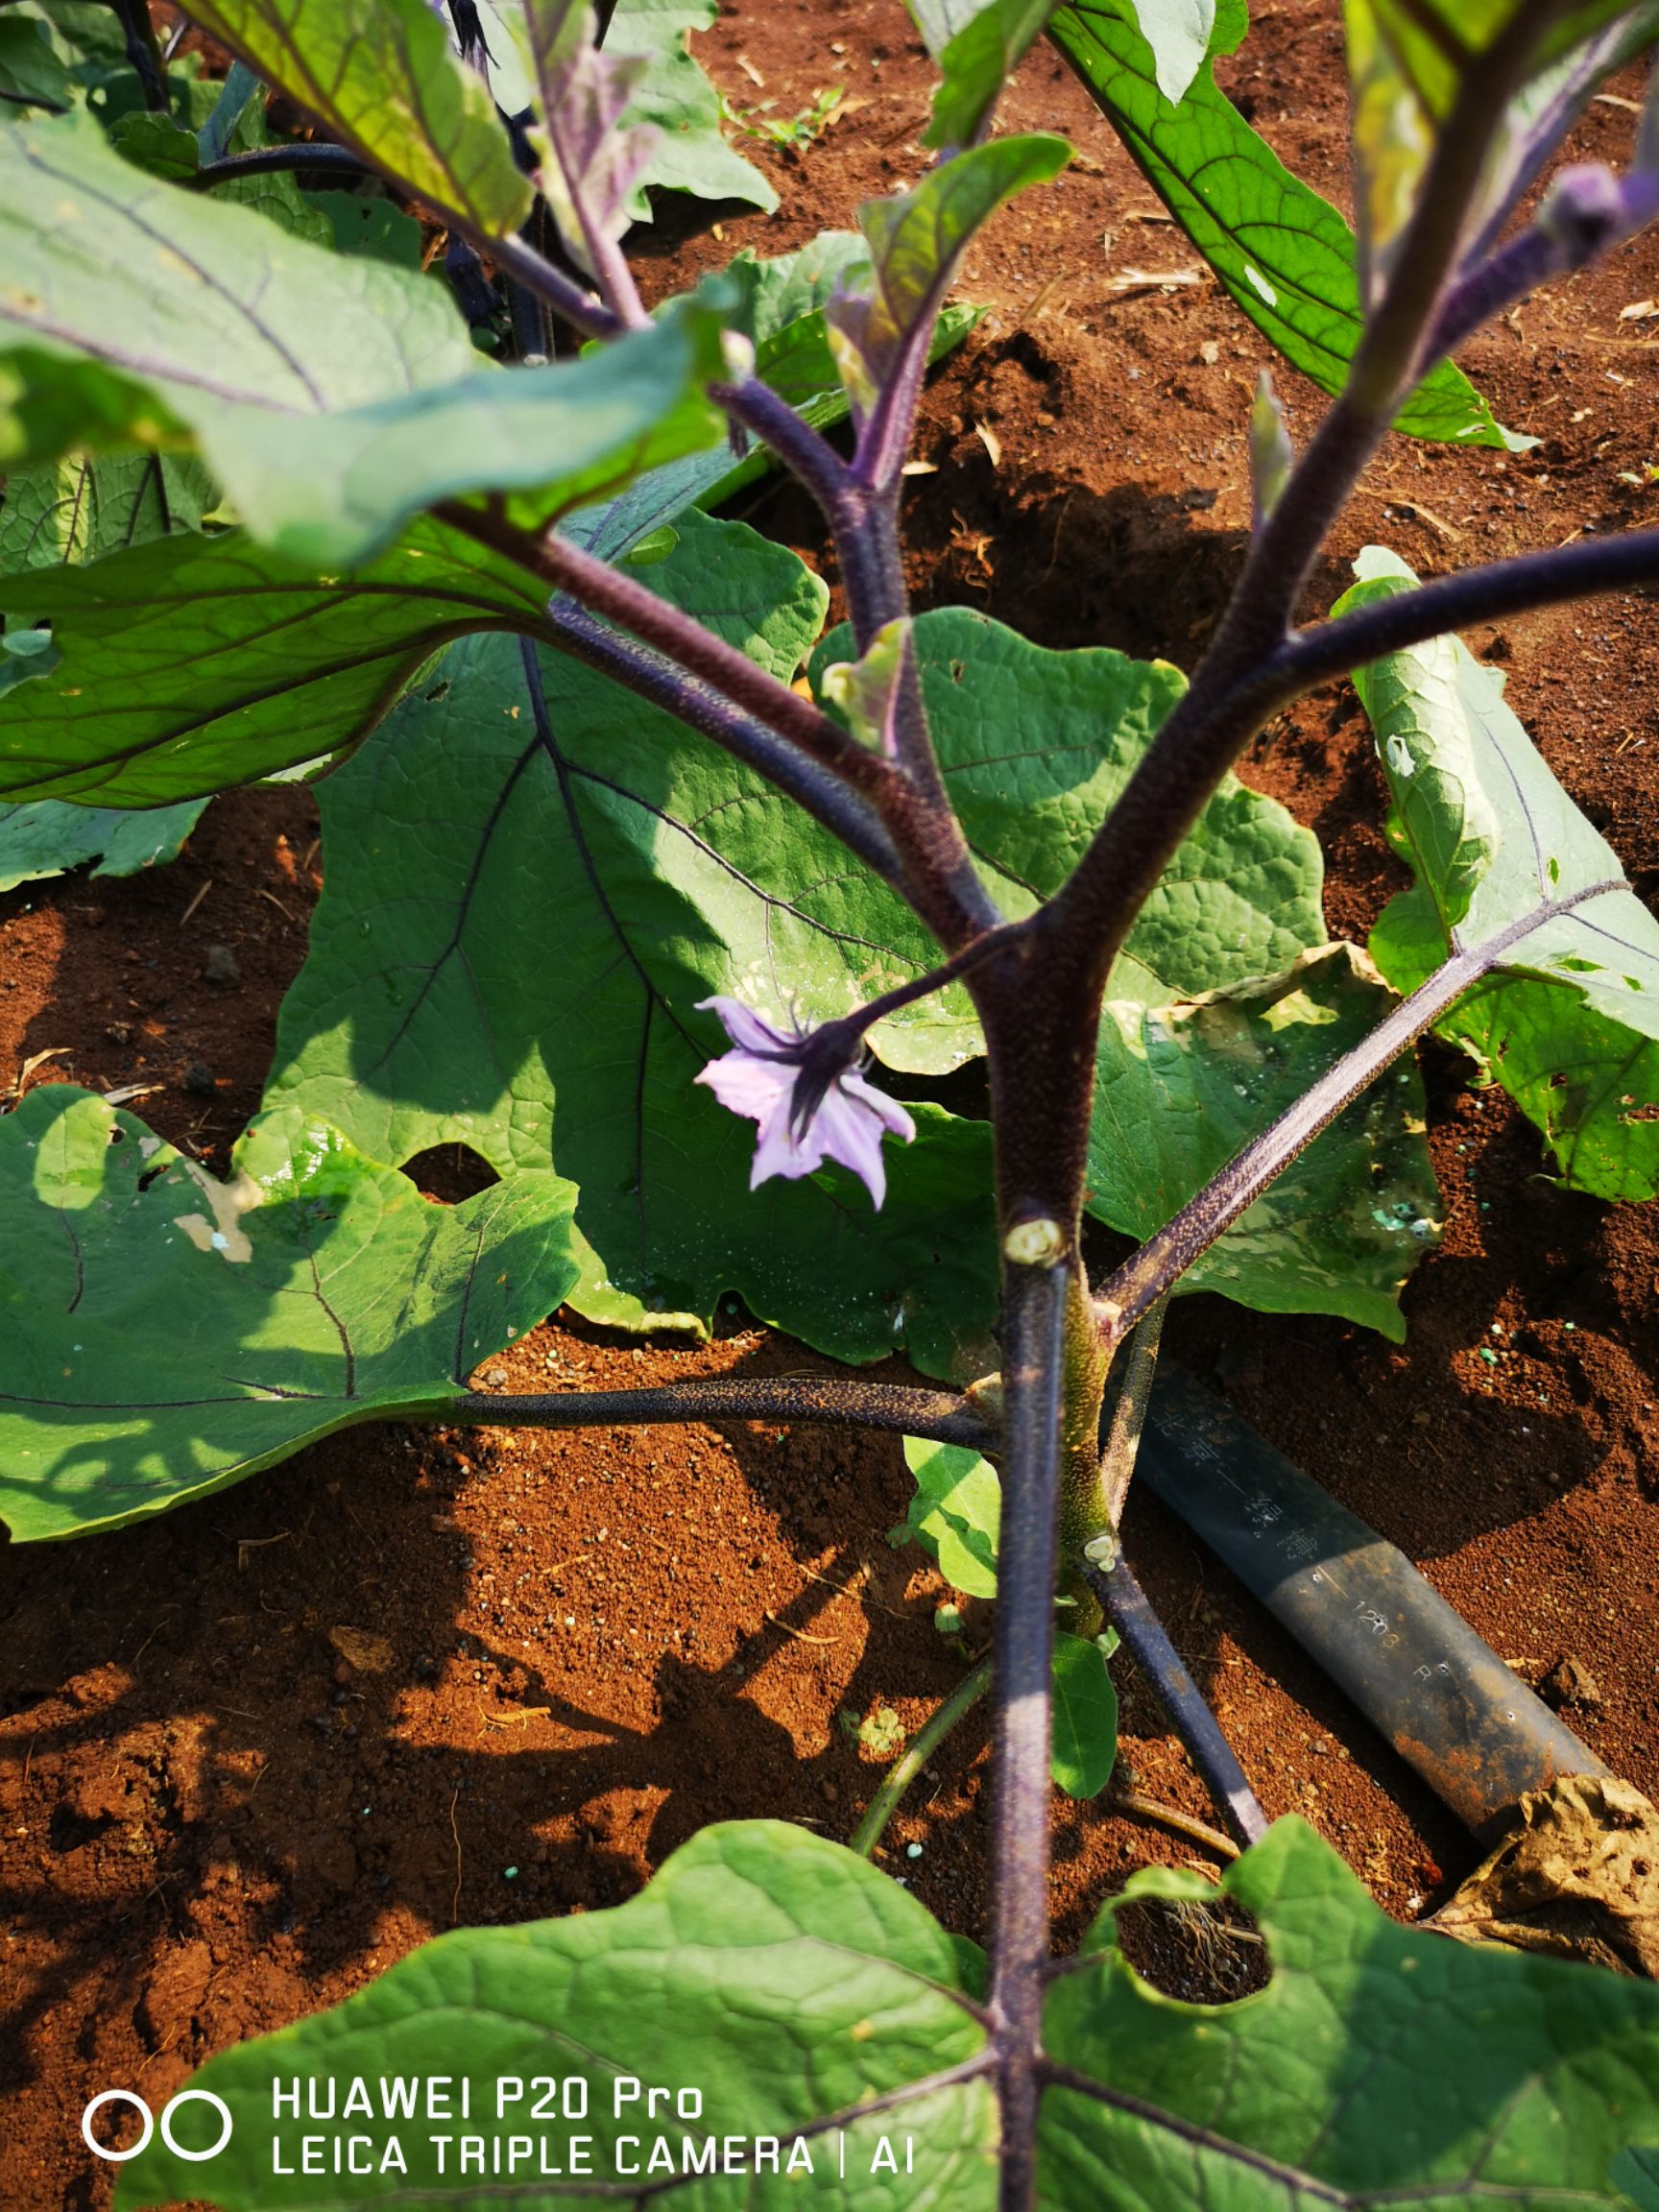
(807, 1093)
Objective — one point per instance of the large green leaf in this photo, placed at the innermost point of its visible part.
(48, 837)
(980, 43)
(335, 396)
(770, 1981)
(382, 76)
(162, 1334)
(473, 830)
(1382, 2065)
(167, 686)
(194, 313)
(1037, 748)
(1284, 255)
(776, 1986)
(194, 664)
(1182, 1087)
(1569, 1022)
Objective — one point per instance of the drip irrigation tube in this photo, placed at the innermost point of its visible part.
(1444, 1699)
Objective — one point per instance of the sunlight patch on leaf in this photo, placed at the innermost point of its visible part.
(314, 1290)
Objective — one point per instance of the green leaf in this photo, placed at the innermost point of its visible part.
(915, 240)
(1380, 2063)
(956, 1513)
(1183, 1087)
(193, 313)
(325, 435)
(31, 70)
(664, 874)
(382, 76)
(314, 1291)
(1037, 747)
(365, 223)
(978, 61)
(327, 489)
(79, 508)
(193, 664)
(47, 838)
(1284, 254)
(1569, 1022)
(774, 1979)
(157, 145)
(691, 154)
(1636, 2171)
(1085, 1742)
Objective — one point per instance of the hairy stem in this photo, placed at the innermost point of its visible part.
(808, 1401)
(1580, 570)
(1034, 1306)
(926, 1741)
(1146, 1277)
(1149, 1647)
(604, 591)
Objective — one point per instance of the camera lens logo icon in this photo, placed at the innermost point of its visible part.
(132, 2098)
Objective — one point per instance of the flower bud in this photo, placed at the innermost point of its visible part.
(1584, 210)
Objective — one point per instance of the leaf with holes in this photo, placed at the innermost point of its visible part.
(774, 1983)
(314, 1290)
(510, 803)
(1379, 2064)
(1284, 254)
(1569, 1021)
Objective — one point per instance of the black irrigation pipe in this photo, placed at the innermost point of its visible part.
(1443, 1698)
(1147, 1642)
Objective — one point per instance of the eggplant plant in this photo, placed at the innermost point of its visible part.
(658, 897)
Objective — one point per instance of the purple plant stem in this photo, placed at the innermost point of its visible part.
(605, 591)
(808, 1401)
(263, 161)
(1033, 1329)
(650, 677)
(1228, 703)
(1144, 1278)
(1589, 565)
(1533, 258)
(939, 876)
(1144, 1638)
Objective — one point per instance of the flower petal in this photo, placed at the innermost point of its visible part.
(887, 1110)
(748, 1086)
(746, 1028)
(851, 1133)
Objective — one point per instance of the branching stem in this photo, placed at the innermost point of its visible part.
(1149, 1647)
(1146, 1276)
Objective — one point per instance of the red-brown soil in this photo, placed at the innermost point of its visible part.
(212, 1822)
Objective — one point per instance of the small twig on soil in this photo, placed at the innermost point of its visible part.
(455, 1901)
(196, 901)
(1135, 1807)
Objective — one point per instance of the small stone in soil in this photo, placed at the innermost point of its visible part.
(220, 966)
(200, 1081)
(1570, 1682)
